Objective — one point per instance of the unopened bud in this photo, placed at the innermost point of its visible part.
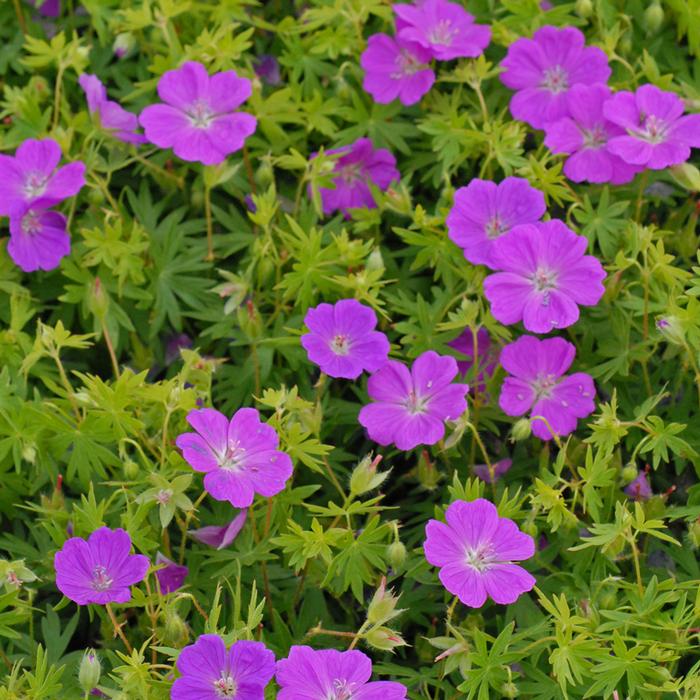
(375, 261)
(653, 17)
(629, 473)
(694, 534)
(175, 630)
(29, 452)
(131, 469)
(672, 329)
(365, 476)
(509, 690)
(123, 44)
(521, 430)
(584, 9)
(90, 671)
(396, 554)
(382, 608)
(99, 301)
(385, 639)
(428, 475)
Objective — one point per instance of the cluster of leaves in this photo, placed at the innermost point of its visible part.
(92, 393)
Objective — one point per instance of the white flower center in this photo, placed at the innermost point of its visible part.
(442, 33)
(101, 580)
(406, 65)
(340, 345)
(163, 496)
(30, 223)
(543, 385)
(544, 281)
(350, 173)
(200, 114)
(595, 137)
(480, 558)
(225, 687)
(342, 690)
(555, 79)
(35, 185)
(416, 404)
(495, 227)
(233, 456)
(654, 129)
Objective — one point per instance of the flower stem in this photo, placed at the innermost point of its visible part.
(110, 349)
(358, 635)
(20, 16)
(249, 170)
(637, 569)
(118, 629)
(186, 524)
(210, 224)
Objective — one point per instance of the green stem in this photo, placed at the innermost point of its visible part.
(210, 224)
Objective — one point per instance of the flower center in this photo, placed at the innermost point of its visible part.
(654, 130)
(350, 173)
(340, 345)
(543, 385)
(163, 496)
(555, 79)
(35, 185)
(416, 404)
(101, 580)
(480, 558)
(342, 690)
(442, 33)
(225, 687)
(233, 456)
(495, 227)
(200, 115)
(544, 280)
(594, 138)
(30, 223)
(13, 579)
(406, 65)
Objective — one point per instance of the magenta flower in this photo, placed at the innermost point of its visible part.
(543, 69)
(544, 276)
(32, 177)
(211, 672)
(239, 457)
(499, 469)
(48, 8)
(639, 489)
(584, 135)
(360, 165)
(171, 576)
(483, 211)
(310, 674)
(538, 385)
(444, 28)
(342, 340)
(198, 120)
(475, 551)
(410, 407)
(38, 239)
(113, 117)
(486, 355)
(99, 570)
(395, 68)
(657, 133)
(223, 536)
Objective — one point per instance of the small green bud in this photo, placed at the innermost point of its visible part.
(365, 476)
(95, 196)
(671, 328)
(384, 638)
(90, 671)
(175, 630)
(382, 608)
(428, 476)
(131, 469)
(607, 599)
(521, 430)
(629, 473)
(653, 17)
(375, 261)
(509, 690)
(99, 300)
(29, 452)
(123, 44)
(584, 9)
(396, 554)
(694, 534)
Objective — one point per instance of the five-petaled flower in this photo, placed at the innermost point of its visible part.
(238, 457)
(343, 341)
(410, 407)
(537, 384)
(475, 550)
(100, 570)
(198, 120)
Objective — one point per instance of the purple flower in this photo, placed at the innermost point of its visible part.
(113, 117)
(499, 469)
(584, 134)
(446, 29)
(395, 68)
(268, 69)
(487, 355)
(310, 674)
(223, 536)
(483, 211)
(198, 120)
(38, 239)
(544, 275)
(360, 165)
(538, 385)
(173, 346)
(171, 576)
(475, 551)
(31, 177)
(99, 570)
(211, 672)
(658, 135)
(543, 69)
(410, 407)
(48, 8)
(342, 340)
(239, 457)
(639, 489)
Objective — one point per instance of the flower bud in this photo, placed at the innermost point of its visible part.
(99, 300)
(385, 639)
(427, 474)
(671, 328)
(90, 671)
(382, 607)
(123, 44)
(29, 452)
(584, 9)
(131, 469)
(509, 689)
(365, 476)
(694, 534)
(175, 630)
(629, 473)
(375, 261)
(653, 17)
(396, 554)
(521, 430)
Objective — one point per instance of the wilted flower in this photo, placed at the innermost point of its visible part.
(343, 341)
(499, 469)
(198, 120)
(543, 69)
(658, 135)
(210, 672)
(89, 671)
(584, 135)
(307, 673)
(173, 346)
(444, 28)
(544, 274)
(48, 8)
(360, 165)
(396, 69)
(222, 536)
(483, 211)
(411, 406)
(268, 68)
(171, 576)
(475, 550)
(100, 570)
(639, 489)
(538, 385)
(239, 457)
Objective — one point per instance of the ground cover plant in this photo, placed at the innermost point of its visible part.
(349, 349)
